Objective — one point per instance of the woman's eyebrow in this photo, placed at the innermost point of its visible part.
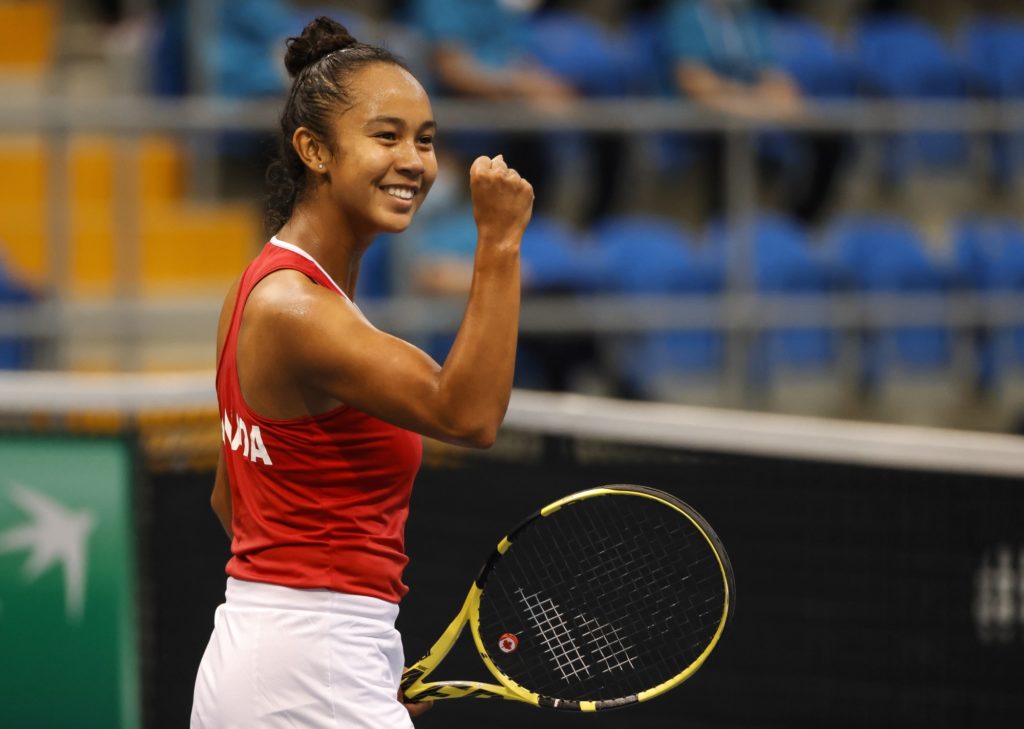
(400, 122)
(393, 120)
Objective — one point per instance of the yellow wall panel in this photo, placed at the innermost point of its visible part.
(27, 33)
(92, 169)
(161, 170)
(23, 242)
(194, 245)
(91, 225)
(179, 244)
(93, 262)
(23, 159)
(23, 206)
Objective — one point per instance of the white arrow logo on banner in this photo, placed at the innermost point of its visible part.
(55, 534)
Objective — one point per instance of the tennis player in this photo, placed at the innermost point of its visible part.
(322, 413)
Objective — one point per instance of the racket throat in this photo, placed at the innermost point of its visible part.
(412, 677)
(436, 690)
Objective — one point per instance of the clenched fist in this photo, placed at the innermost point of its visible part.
(502, 200)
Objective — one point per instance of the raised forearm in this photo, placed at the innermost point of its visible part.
(476, 379)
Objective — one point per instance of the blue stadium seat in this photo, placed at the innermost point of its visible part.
(785, 262)
(596, 61)
(989, 253)
(901, 57)
(881, 254)
(555, 259)
(651, 255)
(993, 47)
(448, 234)
(820, 66)
(375, 270)
(15, 352)
(650, 62)
(168, 60)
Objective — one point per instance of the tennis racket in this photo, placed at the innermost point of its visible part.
(602, 599)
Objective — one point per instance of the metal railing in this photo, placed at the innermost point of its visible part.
(739, 310)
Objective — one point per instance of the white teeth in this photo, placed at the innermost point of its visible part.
(403, 193)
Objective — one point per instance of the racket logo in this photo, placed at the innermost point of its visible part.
(508, 643)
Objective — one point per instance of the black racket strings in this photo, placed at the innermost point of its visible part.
(607, 597)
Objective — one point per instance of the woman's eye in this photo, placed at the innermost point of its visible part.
(390, 136)
(427, 140)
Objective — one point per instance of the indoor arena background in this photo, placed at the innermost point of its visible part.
(807, 322)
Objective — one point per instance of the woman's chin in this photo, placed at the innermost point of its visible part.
(396, 223)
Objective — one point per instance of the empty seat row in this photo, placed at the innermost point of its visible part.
(851, 257)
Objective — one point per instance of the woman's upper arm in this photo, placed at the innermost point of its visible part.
(329, 346)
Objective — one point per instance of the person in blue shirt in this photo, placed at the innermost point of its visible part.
(479, 50)
(721, 58)
(236, 54)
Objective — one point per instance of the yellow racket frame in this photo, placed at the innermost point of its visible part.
(417, 689)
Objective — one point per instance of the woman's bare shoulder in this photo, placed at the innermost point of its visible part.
(295, 305)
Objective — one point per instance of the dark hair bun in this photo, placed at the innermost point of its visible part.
(320, 37)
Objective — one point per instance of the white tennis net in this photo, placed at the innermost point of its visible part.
(179, 411)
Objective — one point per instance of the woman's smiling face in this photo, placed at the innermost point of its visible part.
(384, 162)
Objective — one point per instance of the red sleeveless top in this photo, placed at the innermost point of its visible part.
(319, 501)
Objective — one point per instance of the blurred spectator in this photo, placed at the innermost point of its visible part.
(487, 50)
(435, 255)
(230, 49)
(243, 56)
(170, 62)
(236, 54)
(478, 51)
(107, 10)
(15, 352)
(438, 258)
(481, 49)
(722, 58)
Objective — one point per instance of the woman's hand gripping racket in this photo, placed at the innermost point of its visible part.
(605, 598)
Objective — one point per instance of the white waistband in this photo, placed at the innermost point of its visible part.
(257, 595)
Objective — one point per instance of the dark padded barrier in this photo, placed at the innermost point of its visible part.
(867, 597)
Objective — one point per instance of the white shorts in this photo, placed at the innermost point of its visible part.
(315, 659)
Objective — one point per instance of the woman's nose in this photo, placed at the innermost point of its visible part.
(410, 160)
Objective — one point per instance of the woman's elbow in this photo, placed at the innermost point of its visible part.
(473, 435)
(472, 426)
(483, 438)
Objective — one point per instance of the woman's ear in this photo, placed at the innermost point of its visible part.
(310, 150)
